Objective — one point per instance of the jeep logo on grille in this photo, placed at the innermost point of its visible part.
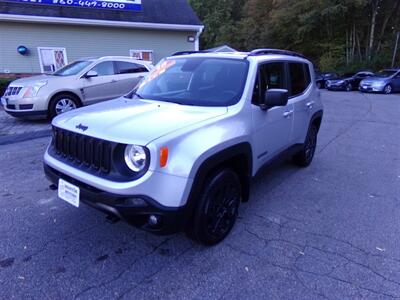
(81, 127)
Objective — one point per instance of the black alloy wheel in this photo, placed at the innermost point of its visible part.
(306, 155)
(218, 208)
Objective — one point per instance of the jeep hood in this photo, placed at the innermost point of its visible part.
(133, 121)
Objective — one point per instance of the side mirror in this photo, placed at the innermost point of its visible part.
(91, 74)
(274, 97)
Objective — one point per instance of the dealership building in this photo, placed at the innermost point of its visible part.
(38, 36)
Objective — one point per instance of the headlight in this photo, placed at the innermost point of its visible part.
(32, 90)
(136, 158)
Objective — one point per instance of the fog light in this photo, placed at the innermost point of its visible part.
(135, 202)
(153, 220)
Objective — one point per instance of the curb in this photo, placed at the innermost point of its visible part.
(22, 137)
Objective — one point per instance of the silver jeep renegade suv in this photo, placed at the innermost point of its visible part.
(178, 152)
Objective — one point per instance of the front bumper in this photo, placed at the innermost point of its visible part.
(336, 87)
(171, 219)
(30, 108)
(370, 88)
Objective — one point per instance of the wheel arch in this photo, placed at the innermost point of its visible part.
(237, 157)
(51, 99)
(316, 119)
(71, 93)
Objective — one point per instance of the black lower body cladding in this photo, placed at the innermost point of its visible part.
(138, 210)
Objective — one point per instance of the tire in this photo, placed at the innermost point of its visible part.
(306, 155)
(349, 87)
(388, 89)
(319, 86)
(217, 209)
(62, 103)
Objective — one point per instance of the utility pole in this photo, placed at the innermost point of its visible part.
(395, 48)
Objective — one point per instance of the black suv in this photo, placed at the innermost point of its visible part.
(323, 77)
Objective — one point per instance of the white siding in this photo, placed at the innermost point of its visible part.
(82, 41)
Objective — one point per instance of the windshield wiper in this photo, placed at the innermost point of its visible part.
(134, 93)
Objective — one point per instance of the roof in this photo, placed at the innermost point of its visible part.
(258, 54)
(153, 11)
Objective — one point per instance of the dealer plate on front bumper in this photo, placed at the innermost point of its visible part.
(68, 192)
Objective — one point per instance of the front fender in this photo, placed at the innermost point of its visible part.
(190, 147)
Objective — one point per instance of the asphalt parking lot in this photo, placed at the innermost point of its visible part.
(331, 231)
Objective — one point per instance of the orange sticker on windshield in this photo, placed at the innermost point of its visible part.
(159, 69)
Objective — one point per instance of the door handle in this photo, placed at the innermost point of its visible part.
(310, 104)
(287, 114)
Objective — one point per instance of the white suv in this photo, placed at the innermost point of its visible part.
(179, 151)
(82, 82)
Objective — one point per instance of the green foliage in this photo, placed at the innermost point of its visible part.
(335, 34)
(4, 82)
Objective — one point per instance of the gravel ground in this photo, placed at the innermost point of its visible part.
(10, 126)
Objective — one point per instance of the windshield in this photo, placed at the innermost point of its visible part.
(385, 73)
(196, 81)
(73, 68)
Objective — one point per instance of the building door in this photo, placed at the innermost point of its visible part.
(51, 59)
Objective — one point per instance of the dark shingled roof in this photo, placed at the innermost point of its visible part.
(153, 11)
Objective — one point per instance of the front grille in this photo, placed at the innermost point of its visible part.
(12, 90)
(85, 151)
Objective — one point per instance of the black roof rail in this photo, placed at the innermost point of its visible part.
(189, 52)
(275, 51)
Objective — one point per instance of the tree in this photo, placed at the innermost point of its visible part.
(336, 34)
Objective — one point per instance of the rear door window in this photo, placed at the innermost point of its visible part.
(124, 67)
(300, 78)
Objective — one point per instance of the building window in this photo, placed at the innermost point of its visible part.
(146, 55)
(51, 59)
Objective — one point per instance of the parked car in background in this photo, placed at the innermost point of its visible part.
(323, 77)
(386, 81)
(80, 83)
(348, 82)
